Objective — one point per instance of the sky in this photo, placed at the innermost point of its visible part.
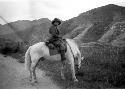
(13, 10)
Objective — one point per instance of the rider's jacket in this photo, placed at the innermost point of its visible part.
(54, 31)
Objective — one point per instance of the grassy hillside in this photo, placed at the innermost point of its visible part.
(104, 63)
(115, 35)
(100, 19)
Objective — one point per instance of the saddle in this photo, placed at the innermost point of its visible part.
(58, 45)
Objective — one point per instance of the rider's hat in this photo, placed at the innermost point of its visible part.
(56, 20)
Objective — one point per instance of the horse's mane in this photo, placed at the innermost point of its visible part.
(73, 45)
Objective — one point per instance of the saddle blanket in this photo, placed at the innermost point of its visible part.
(53, 52)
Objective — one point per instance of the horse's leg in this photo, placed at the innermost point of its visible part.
(33, 73)
(62, 70)
(73, 71)
(33, 68)
(63, 59)
(30, 78)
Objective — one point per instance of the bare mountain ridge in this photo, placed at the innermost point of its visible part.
(23, 29)
(88, 26)
(100, 18)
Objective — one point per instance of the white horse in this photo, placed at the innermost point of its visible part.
(38, 50)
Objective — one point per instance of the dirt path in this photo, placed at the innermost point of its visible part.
(14, 76)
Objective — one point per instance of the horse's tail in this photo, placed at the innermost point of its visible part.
(27, 59)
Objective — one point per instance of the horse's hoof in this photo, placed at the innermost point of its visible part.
(63, 78)
(30, 79)
(79, 74)
(34, 83)
(75, 80)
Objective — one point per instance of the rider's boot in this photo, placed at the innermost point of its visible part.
(63, 57)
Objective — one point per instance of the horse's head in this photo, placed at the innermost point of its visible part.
(76, 52)
(78, 62)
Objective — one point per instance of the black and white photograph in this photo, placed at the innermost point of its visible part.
(62, 44)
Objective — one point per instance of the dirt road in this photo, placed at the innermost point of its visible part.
(14, 76)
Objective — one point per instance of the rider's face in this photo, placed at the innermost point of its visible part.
(56, 23)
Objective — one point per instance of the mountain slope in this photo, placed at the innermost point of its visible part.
(88, 26)
(115, 35)
(100, 18)
(22, 30)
